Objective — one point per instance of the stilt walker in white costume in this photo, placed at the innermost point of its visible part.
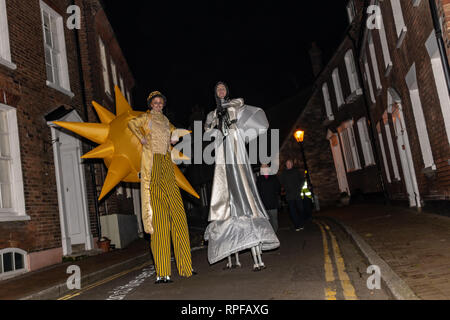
(238, 220)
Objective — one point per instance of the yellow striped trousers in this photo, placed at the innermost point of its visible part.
(169, 219)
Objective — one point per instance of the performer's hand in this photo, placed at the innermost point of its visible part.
(174, 141)
(144, 141)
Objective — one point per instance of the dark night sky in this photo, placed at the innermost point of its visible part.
(260, 48)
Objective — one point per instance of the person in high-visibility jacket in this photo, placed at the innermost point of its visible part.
(307, 198)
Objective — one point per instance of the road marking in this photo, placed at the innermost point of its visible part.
(330, 290)
(349, 290)
(98, 283)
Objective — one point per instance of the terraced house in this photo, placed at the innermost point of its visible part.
(51, 70)
(385, 106)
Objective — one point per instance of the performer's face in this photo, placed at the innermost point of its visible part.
(221, 91)
(157, 104)
(289, 164)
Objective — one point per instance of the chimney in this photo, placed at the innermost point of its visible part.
(316, 59)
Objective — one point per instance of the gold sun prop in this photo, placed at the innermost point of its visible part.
(119, 148)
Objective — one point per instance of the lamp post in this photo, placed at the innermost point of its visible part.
(299, 136)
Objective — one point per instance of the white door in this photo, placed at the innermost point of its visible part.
(339, 164)
(406, 158)
(71, 187)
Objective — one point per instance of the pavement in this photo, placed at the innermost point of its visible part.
(411, 249)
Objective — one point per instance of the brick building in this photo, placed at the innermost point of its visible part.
(48, 72)
(386, 107)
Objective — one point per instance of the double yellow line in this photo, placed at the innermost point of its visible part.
(99, 283)
(331, 288)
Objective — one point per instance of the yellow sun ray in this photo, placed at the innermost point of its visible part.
(105, 115)
(122, 105)
(96, 132)
(102, 151)
(119, 168)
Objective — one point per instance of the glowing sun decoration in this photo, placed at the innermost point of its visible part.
(119, 148)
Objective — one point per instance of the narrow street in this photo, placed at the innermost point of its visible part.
(317, 263)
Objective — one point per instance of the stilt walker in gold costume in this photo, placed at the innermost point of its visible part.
(163, 212)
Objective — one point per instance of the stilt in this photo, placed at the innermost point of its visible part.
(229, 264)
(255, 260)
(238, 263)
(259, 253)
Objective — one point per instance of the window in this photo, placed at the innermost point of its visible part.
(352, 73)
(55, 50)
(326, 98)
(12, 203)
(5, 52)
(439, 78)
(122, 87)
(416, 3)
(368, 77)
(350, 149)
(365, 142)
(12, 262)
(400, 26)
(383, 152)
(351, 11)
(385, 47)
(104, 67)
(114, 72)
(128, 97)
(338, 88)
(373, 57)
(391, 147)
(411, 81)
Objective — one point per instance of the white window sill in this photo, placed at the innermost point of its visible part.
(401, 37)
(8, 64)
(369, 165)
(60, 89)
(10, 217)
(388, 69)
(12, 274)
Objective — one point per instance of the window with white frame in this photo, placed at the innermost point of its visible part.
(128, 97)
(104, 67)
(327, 100)
(351, 10)
(365, 142)
(422, 132)
(383, 153)
(5, 50)
(337, 87)
(122, 86)
(12, 262)
(439, 78)
(352, 73)
(349, 147)
(387, 129)
(12, 203)
(114, 73)
(373, 58)
(385, 47)
(55, 50)
(368, 77)
(400, 26)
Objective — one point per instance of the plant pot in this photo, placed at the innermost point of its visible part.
(104, 245)
(345, 201)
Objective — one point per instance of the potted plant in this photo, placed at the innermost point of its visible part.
(344, 198)
(104, 244)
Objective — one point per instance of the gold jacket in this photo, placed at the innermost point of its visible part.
(156, 129)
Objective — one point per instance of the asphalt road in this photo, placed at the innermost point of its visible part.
(318, 263)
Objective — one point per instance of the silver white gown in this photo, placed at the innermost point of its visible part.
(238, 220)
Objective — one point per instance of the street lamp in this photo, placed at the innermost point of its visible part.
(299, 135)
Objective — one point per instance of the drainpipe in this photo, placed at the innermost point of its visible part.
(367, 106)
(86, 115)
(440, 41)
